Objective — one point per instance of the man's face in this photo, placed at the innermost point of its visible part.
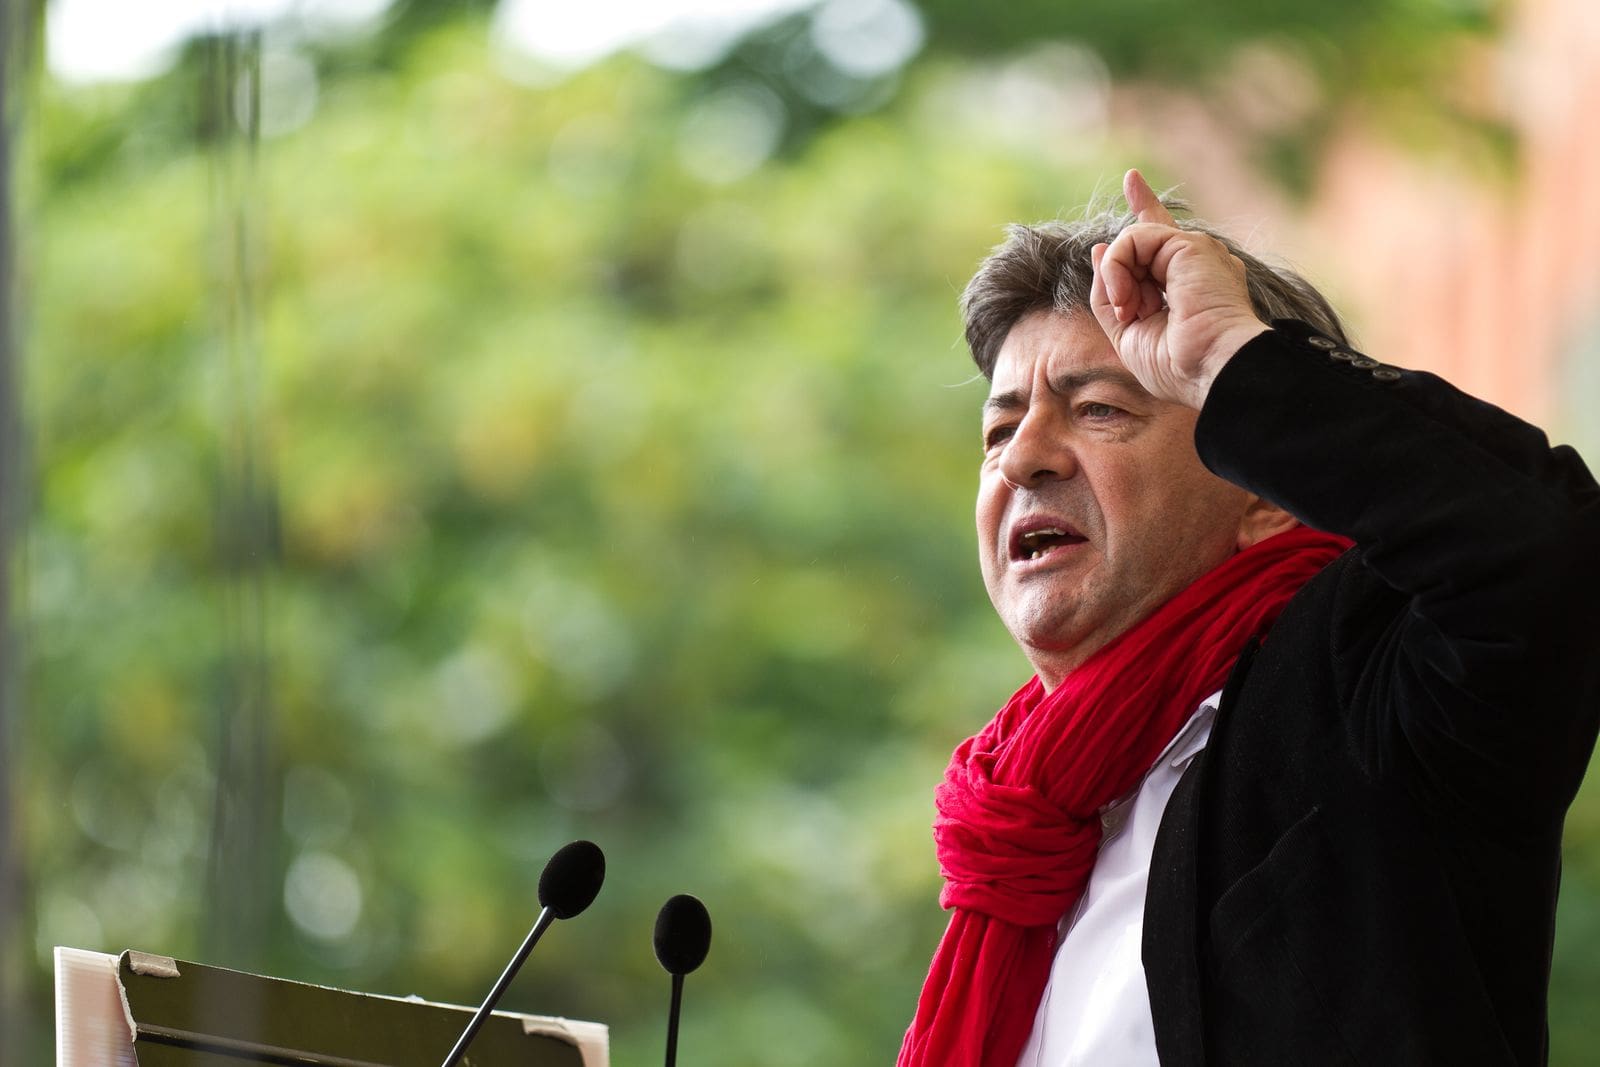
(1093, 508)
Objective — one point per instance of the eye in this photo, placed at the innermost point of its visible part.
(998, 435)
(1095, 411)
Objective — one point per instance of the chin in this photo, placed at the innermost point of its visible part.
(1047, 637)
(1065, 640)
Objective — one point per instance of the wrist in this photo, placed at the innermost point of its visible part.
(1224, 348)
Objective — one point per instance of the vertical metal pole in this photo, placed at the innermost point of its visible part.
(18, 34)
(244, 872)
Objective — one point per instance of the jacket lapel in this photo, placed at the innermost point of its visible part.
(1171, 944)
(1171, 960)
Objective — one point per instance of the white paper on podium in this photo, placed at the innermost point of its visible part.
(91, 1024)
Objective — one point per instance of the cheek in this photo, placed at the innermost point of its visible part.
(1199, 521)
(990, 514)
(989, 510)
(1174, 510)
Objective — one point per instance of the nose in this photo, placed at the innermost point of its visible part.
(1038, 452)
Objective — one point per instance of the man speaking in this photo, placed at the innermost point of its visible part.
(1316, 680)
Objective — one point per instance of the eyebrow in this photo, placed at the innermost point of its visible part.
(1014, 399)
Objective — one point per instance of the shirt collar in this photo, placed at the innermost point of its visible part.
(1194, 735)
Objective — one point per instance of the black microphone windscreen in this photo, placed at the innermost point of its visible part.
(572, 878)
(683, 934)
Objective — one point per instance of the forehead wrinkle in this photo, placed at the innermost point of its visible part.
(1065, 384)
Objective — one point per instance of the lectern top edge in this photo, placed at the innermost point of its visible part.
(174, 1013)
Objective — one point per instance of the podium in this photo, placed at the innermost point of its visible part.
(138, 1009)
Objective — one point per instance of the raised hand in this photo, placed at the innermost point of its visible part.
(1172, 302)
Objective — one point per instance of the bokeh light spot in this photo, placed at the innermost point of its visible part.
(322, 895)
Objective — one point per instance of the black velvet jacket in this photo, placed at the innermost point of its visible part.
(1362, 866)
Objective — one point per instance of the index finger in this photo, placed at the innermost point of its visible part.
(1142, 199)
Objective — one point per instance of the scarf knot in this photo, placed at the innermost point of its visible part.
(1007, 851)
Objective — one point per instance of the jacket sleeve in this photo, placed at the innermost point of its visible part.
(1481, 691)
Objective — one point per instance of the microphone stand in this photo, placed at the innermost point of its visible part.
(539, 927)
(672, 1020)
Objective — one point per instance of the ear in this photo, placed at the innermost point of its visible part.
(1262, 520)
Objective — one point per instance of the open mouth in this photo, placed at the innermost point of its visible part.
(1031, 541)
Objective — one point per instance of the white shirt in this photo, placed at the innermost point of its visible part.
(1095, 1011)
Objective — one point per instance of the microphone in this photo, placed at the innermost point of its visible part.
(683, 937)
(570, 882)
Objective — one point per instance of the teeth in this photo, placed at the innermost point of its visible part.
(1030, 540)
(1043, 531)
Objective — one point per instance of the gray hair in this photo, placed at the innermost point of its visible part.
(1047, 267)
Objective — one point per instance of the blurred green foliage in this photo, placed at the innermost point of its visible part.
(618, 487)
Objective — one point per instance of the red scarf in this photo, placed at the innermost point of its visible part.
(1018, 827)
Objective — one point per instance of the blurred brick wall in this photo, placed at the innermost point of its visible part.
(1443, 260)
